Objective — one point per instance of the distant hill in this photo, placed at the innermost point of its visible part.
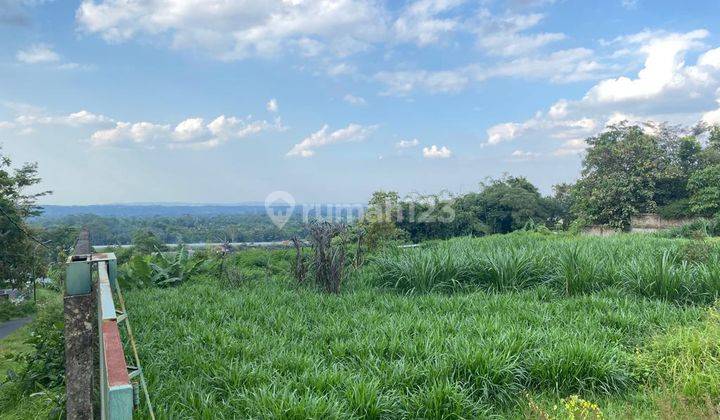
(167, 210)
(151, 210)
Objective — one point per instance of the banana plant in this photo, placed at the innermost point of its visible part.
(162, 269)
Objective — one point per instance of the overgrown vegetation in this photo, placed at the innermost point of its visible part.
(10, 310)
(33, 385)
(268, 348)
(672, 270)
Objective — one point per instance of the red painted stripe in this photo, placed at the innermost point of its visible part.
(114, 356)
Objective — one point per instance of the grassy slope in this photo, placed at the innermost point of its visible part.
(266, 350)
(35, 407)
(11, 345)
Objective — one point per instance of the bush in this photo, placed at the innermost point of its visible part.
(686, 360)
(9, 310)
(42, 372)
(678, 209)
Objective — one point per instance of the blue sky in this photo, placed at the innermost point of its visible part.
(227, 101)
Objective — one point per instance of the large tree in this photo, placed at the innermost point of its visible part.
(20, 249)
(620, 173)
(704, 185)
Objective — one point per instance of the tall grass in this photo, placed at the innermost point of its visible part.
(667, 269)
(267, 350)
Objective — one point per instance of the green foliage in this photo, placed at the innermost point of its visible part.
(9, 310)
(704, 186)
(20, 256)
(37, 387)
(685, 359)
(145, 242)
(162, 269)
(619, 176)
(380, 222)
(643, 265)
(677, 209)
(119, 230)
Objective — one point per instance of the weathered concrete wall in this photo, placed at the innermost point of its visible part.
(651, 222)
(642, 223)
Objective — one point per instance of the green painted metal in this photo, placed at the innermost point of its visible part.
(120, 402)
(78, 279)
(112, 269)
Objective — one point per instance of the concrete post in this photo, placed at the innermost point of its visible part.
(79, 312)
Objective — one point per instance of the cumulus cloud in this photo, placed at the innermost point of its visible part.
(434, 152)
(324, 137)
(28, 117)
(189, 133)
(664, 70)
(407, 144)
(190, 129)
(37, 53)
(667, 88)
(139, 132)
(272, 105)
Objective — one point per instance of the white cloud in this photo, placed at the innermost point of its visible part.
(434, 152)
(234, 30)
(30, 116)
(630, 4)
(189, 133)
(190, 129)
(37, 54)
(322, 137)
(523, 155)
(407, 144)
(140, 132)
(403, 82)
(354, 100)
(505, 35)
(712, 117)
(272, 105)
(562, 66)
(340, 69)
(571, 147)
(84, 117)
(420, 21)
(665, 89)
(664, 69)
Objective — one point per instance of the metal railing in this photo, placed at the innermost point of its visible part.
(118, 395)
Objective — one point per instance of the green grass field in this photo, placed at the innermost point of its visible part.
(502, 326)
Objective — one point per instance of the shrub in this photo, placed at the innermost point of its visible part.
(10, 310)
(685, 360)
(328, 255)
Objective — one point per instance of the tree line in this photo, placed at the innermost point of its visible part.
(627, 170)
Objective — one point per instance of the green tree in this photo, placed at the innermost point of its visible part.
(704, 186)
(620, 172)
(20, 250)
(146, 242)
(380, 220)
(509, 203)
